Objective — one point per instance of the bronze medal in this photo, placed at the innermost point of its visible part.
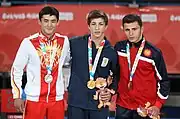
(130, 85)
(91, 84)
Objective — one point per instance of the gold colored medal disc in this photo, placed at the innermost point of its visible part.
(91, 84)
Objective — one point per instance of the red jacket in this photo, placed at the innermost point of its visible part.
(150, 81)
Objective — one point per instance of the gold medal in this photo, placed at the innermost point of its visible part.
(48, 78)
(91, 84)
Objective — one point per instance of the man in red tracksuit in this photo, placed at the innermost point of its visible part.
(143, 74)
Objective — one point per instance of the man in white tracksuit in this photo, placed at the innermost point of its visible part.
(43, 54)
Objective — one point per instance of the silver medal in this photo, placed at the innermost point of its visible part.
(48, 78)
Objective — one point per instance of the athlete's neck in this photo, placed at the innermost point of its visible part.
(139, 39)
(97, 40)
(49, 37)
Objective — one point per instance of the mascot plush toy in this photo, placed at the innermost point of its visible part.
(143, 111)
(101, 84)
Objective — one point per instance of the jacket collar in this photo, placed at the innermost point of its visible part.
(136, 44)
(107, 42)
(43, 36)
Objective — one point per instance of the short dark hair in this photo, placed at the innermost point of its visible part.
(97, 14)
(49, 10)
(130, 18)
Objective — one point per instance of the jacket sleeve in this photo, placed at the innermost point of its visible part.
(163, 84)
(115, 72)
(17, 69)
(66, 63)
(67, 51)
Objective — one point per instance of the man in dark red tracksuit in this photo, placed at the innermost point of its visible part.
(143, 74)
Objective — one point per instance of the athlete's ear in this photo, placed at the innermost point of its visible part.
(39, 22)
(88, 27)
(106, 27)
(142, 30)
(122, 28)
(57, 23)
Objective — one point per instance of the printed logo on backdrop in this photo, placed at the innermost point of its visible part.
(145, 17)
(66, 16)
(174, 18)
(115, 16)
(149, 17)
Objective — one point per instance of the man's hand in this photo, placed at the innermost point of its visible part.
(105, 95)
(153, 111)
(19, 105)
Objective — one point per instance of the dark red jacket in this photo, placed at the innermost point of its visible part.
(150, 81)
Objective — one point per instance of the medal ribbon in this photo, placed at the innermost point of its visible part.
(92, 67)
(45, 47)
(136, 59)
